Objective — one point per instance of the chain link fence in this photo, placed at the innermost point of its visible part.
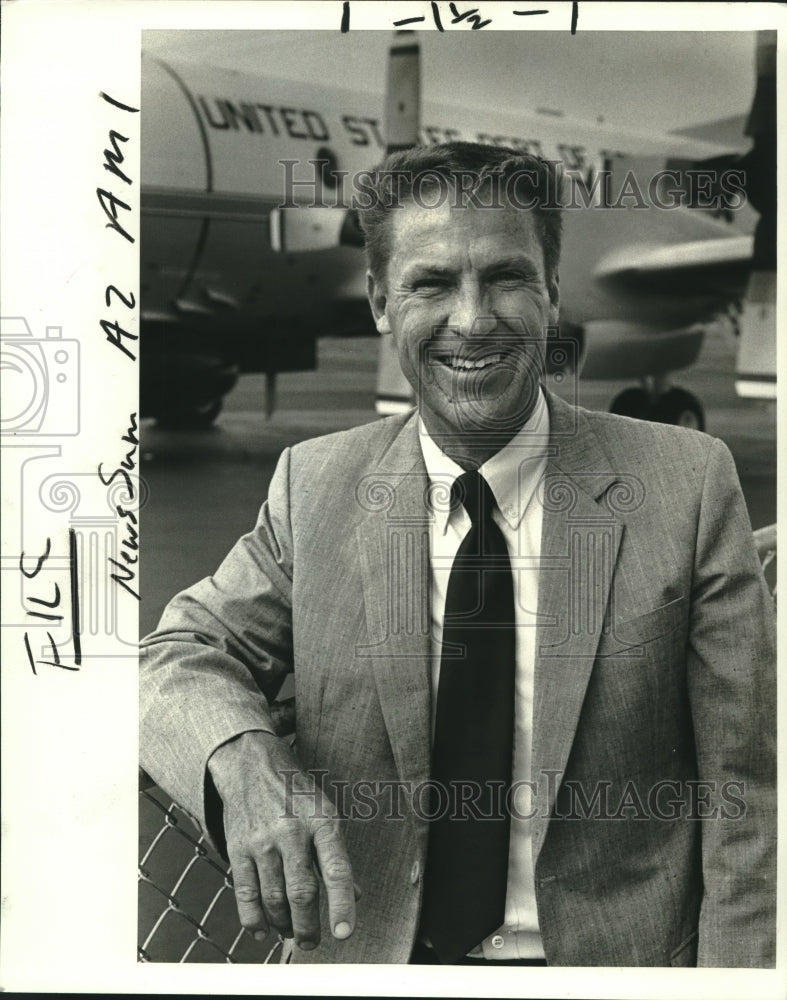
(186, 901)
(186, 908)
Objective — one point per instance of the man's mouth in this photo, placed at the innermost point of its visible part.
(459, 363)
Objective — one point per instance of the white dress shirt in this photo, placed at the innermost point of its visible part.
(513, 474)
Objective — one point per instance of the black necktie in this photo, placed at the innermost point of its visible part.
(467, 861)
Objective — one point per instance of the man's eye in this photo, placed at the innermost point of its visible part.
(508, 276)
(432, 282)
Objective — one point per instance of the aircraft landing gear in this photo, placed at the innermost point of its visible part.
(199, 416)
(634, 402)
(677, 406)
(185, 391)
(655, 401)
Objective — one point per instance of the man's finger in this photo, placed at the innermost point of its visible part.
(273, 891)
(303, 893)
(247, 897)
(337, 875)
(356, 887)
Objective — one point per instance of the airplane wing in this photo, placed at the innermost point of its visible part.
(727, 131)
(719, 266)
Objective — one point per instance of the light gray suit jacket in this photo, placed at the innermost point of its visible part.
(654, 674)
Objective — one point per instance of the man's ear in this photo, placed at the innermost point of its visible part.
(554, 297)
(378, 301)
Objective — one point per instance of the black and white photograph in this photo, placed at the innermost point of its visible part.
(390, 498)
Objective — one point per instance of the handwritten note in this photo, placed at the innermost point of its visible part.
(115, 209)
(451, 15)
(31, 569)
(124, 569)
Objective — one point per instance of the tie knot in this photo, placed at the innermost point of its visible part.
(474, 493)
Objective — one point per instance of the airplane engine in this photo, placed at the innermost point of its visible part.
(622, 350)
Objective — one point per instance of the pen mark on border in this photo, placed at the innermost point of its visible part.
(73, 567)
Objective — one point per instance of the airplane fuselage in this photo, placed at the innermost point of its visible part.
(222, 149)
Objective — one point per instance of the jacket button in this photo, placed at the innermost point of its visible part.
(497, 941)
(415, 871)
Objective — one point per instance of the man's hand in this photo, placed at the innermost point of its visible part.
(281, 844)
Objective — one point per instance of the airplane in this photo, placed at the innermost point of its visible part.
(237, 274)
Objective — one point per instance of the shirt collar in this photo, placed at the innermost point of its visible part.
(513, 473)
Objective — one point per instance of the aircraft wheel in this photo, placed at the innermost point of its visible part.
(676, 406)
(632, 402)
(198, 417)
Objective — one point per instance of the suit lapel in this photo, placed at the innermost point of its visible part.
(579, 545)
(393, 544)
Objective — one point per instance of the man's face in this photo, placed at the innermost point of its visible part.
(467, 300)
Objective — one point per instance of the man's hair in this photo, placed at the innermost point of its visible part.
(533, 181)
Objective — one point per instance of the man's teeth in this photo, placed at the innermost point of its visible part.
(466, 365)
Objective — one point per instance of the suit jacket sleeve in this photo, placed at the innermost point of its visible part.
(731, 687)
(221, 651)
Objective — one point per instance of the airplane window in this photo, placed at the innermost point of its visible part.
(329, 164)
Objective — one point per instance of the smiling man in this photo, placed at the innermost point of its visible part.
(468, 294)
(532, 647)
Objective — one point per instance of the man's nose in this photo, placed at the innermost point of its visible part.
(471, 315)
